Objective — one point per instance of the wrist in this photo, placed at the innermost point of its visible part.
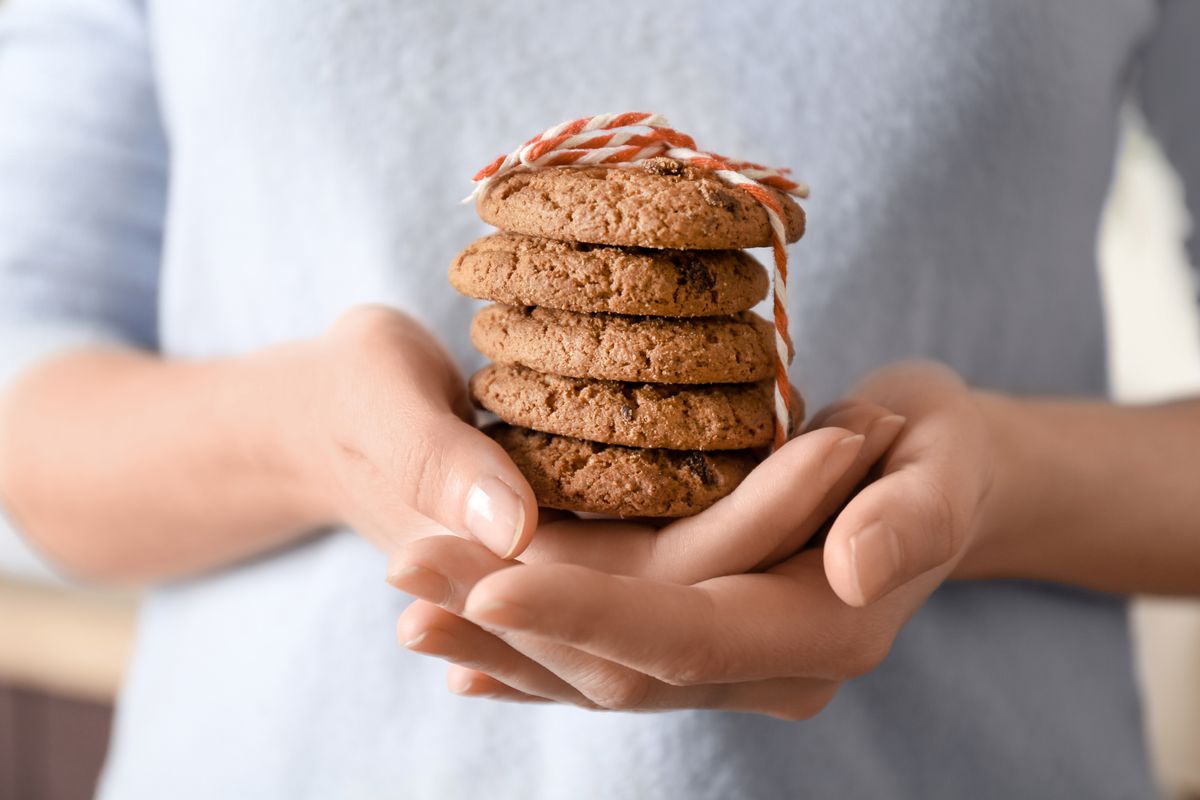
(1003, 518)
(269, 399)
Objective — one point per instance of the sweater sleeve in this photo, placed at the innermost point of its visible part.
(83, 166)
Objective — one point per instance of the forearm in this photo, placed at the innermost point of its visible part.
(1092, 494)
(123, 466)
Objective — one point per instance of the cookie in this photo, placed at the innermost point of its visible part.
(577, 475)
(732, 349)
(657, 203)
(730, 416)
(534, 271)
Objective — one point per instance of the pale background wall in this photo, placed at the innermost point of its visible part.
(1154, 336)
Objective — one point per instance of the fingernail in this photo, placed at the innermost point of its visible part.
(495, 516)
(875, 555)
(415, 642)
(421, 582)
(432, 642)
(462, 685)
(502, 615)
(841, 457)
(892, 422)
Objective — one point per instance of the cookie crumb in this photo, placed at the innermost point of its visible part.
(661, 165)
(716, 195)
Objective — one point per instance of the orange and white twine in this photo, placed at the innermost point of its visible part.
(623, 140)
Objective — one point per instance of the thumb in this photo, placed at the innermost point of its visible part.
(903, 525)
(399, 408)
(462, 479)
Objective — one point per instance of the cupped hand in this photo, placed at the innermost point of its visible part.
(389, 441)
(770, 516)
(777, 642)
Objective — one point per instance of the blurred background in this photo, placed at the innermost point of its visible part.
(1154, 352)
(63, 648)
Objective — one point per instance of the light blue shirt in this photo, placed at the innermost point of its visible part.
(204, 179)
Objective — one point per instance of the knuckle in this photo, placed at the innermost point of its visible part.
(407, 629)
(369, 344)
(871, 658)
(942, 529)
(364, 322)
(420, 467)
(807, 704)
(818, 701)
(710, 659)
(862, 655)
(698, 666)
(623, 691)
(790, 714)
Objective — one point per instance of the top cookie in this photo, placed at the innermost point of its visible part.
(534, 271)
(660, 203)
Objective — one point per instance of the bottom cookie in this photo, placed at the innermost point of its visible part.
(578, 475)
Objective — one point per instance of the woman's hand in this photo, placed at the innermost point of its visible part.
(777, 642)
(933, 496)
(390, 444)
(176, 466)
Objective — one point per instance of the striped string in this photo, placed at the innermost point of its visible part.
(625, 139)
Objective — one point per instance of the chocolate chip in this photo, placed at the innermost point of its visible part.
(627, 412)
(698, 464)
(694, 272)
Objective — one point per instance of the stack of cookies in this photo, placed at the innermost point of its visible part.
(630, 376)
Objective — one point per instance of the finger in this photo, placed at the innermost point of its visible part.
(780, 505)
(913, 385)
(856, 417)
(825, 417)
(473, 683)
(425, 628)
(579, 678)
(767, 508)
(790, 699)
(619, 547)
(881, 433)
(487, 667)
(729, 629)
(443, 570)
